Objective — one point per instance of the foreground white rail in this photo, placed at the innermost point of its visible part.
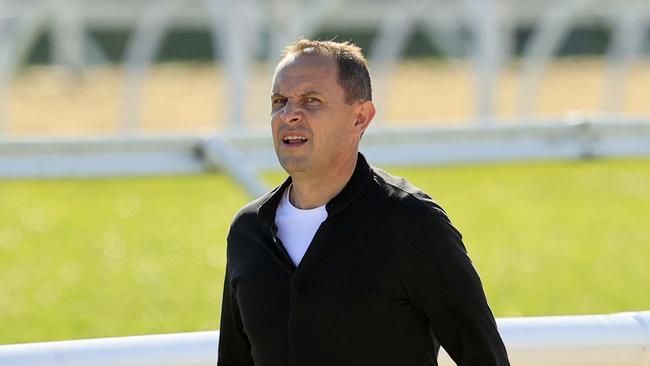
(596, 340)
(180, 349)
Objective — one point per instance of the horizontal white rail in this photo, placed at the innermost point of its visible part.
(468, 144)
(119, 155)
(99, 156)
(243, 153)
(621, 339)
(180, 349)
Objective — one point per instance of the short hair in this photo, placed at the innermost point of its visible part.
(353, 76)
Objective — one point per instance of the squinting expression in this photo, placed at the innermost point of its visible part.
(313, 126)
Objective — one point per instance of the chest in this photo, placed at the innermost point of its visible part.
(348, 273)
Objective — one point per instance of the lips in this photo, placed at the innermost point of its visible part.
(290, 139)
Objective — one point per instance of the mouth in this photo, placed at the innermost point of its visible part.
(294, 140)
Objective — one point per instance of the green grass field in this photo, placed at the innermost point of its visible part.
(110, 257)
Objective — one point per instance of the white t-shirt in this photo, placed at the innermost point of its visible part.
(296, 227)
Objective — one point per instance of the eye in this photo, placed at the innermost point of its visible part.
(278, 102)
(311, 100)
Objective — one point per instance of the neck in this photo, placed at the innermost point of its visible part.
(314, 190)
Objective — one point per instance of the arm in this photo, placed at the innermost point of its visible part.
(442, 283)
(234, 347)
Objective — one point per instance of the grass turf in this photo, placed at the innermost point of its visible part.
(110, 257)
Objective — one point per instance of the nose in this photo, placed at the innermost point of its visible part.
(291, 113)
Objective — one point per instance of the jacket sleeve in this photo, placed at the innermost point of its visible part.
(442, 283)
(234, 347)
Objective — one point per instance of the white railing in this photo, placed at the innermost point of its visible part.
(621, 339)
(244, 154)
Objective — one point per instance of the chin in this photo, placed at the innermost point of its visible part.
(294, 165)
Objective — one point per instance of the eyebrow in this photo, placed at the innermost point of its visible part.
(308, 93)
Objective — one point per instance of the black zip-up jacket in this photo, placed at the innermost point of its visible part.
(385, 280)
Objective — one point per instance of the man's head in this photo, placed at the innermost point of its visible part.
(321, 105)
(353, 72)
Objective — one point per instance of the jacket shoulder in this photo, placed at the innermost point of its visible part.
(407, 199)
(249, 213)
(421, 221)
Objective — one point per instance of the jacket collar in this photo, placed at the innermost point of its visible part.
(358, 180)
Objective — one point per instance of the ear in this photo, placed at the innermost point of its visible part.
(364, 116)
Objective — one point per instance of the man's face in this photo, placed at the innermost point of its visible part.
(314, 129)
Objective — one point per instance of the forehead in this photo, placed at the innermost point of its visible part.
(296, 73)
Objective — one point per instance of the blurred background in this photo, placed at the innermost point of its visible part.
(131, 131)
(168, 66)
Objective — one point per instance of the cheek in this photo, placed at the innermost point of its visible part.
(335, 138)
(275, 125)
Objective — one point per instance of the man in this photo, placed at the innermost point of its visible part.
(344, 264)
